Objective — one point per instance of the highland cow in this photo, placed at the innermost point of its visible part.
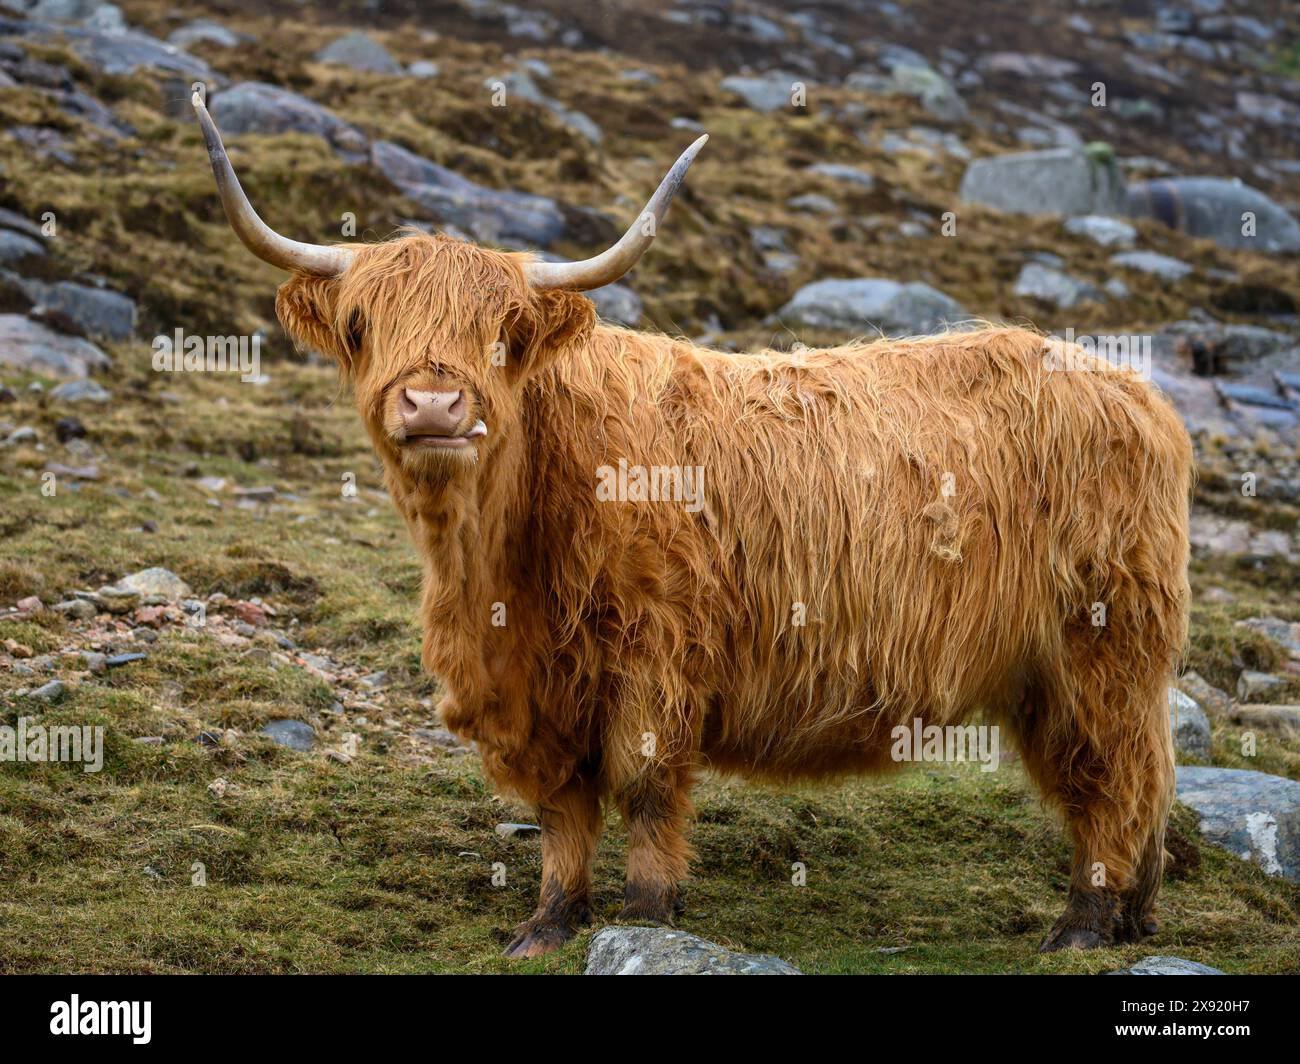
(925, 529)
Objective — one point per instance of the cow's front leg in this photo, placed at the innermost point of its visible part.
(656, 810)
(570, 821)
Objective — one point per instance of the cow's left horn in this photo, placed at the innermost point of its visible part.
(257, 236)
(610, 265)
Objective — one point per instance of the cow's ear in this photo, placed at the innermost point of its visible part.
(306, 307)
(554, 319)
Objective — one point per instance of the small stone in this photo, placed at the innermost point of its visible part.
(156, 585)
(94, 662)
(17, 649)
(81, 391)
(118, 660)
(69, 428)
(295, 734)
(77, 609)
(50, 692)
(262, 494)
(375, 681)
(1255, 686)
(510, 831)
(1189, 724)
(117, 599)
(249, 613)
(218, 787)
(149, 740)
(664, 951)
(30, 604)
(1207, 696)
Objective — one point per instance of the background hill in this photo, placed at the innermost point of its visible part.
(885, 145)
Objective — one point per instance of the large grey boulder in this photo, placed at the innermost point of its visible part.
(1167, 966)
(14, 247)
(28, 345)
(255, 107)
(1056, 181)
(663, 951)
(124, 53)
(490, 215)
(1189, 724)
(773, 91)
(1252, 814)
(1048, 285)
(864, 305)
(96, 311)
(360, 52)
(617, 303)
(1213, 207)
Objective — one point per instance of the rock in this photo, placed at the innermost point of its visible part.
(360, 52)
(1252, 814)
(1164, 267)
(437, 736)
(663, 951)
(851, 175)
(22, 434)
(118, 660)
(491, 215)
(86, 472)
(1108, 232)
(510, 831)
(423, 68)
(1167, 966)
(1285, 634)
(1038, 67)
(95, 311)
(813, 203)
(156, 585)
(376, 681)
(295, 734)
(77, 609)
(1057, 181)
(519, 83)
(50, 692)
(862, 305)
(1254, 686)
(932, 89)
(30, 604)
(80, 391)
(205, 31)
(125, 52)
(116, 600)
(29, 345)
(1280, 720)
(1190, 725)
(95, 663)
(250, 613)
(255, 107)
(1043, 283)
(264, 493)
(617, 303)
(773, 91)
(103, 16)
(1205, 694)
(14, 247)
(1213, 207)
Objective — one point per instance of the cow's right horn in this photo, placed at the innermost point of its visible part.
(257, 236)
(613, 263)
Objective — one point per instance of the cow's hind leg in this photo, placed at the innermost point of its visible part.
(1097, 742)
(656, 809)
(570, 822)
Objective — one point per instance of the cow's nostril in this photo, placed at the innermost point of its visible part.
(408, 405)
(457, 408)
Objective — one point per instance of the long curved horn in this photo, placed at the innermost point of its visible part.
(257, 236)
(610, 265)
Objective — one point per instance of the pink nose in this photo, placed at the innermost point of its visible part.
(431, 413)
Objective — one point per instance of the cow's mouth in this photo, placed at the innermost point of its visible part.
(476, 431)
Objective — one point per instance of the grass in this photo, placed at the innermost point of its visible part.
(385, 863)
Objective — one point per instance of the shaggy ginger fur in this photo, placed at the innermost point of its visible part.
(899, 529)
